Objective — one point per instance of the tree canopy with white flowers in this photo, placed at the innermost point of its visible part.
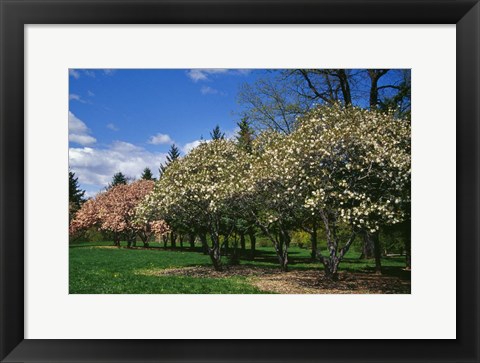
(200, 193)
(340, 167)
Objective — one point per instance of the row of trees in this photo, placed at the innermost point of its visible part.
(341, 169)
(317, 151)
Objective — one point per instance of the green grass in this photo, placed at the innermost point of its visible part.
(95, 269)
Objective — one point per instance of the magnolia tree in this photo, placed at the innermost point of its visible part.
(354, 170)
(86, 217)
(201, 191)
(269, 192)
(115, 211)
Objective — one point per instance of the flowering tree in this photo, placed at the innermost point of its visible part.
(269, 191)
(200, 192)
(115, 211)
(354, 166)
(86, 217)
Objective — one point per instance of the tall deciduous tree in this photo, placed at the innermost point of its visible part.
(356, 172)
(272, 102)
(269, 196)
(276, 100)
(200, 192)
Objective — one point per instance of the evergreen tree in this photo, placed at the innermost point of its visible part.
(75, 194)
(216, 134)
(147, 174)
(245, 135)
(173, 154)
(117, 179)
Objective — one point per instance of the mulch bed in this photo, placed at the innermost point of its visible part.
(297, 282)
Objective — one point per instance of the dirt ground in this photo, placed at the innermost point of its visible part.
(298, 282)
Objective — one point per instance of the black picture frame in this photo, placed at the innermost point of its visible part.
(17, 13)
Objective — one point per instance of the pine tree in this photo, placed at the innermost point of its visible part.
(216, 134)
(76, 195)
(245, 135)
(147, 174)
(173, 154)
(117, 179)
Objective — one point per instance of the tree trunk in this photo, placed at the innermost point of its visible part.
(336, 254)
(116, 240)
(378, 252)
(345, 87)
(373, 93)
(408, 246)
(313, 239)
(165, 240)
(281, 247)
(253, 242)
(367, 247)
(242, 242)
(234, 260)
(225, 245)
(131, 239)
(180, 238)
(144, 237)
(214, 252)
(173, 240)
(375, 75)
(331, 267)
(203, 239)
(191, 237)
(286, 241)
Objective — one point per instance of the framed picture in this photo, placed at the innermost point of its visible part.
(160, 97)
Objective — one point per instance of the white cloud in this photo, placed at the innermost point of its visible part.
(160, 139)
(91, 193)
(89, 73)
(78, 131)
(95, 167)
(243, 72)
(112, 126)
(90, 93)
(75, 97)
(203, 74)
(109, 72)
(206, 90)
(229, 134)
(74, 73)
(191, 145)
(82, 139)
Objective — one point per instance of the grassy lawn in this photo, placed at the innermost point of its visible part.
(98, 268)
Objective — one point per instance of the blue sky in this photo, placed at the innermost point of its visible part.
(126, 120)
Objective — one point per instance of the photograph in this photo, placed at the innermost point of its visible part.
(239, 181)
